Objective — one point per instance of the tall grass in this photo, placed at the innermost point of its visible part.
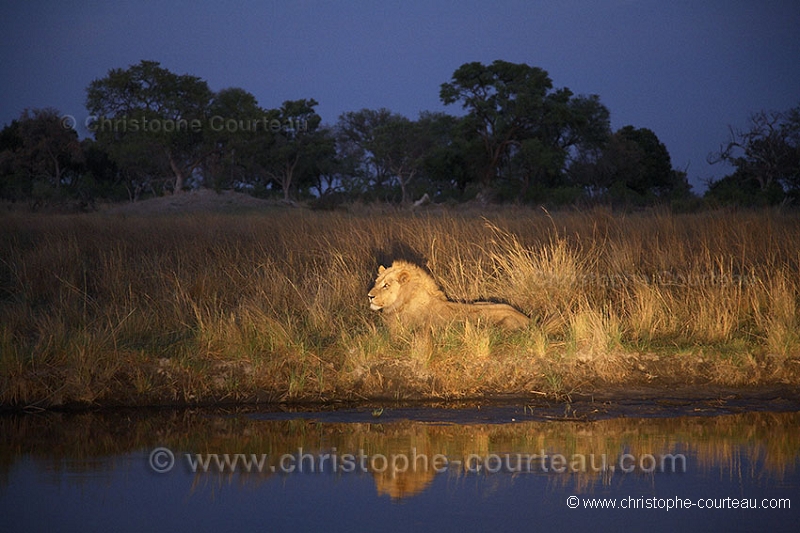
(272, 306)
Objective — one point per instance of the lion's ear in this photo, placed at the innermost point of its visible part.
(403, 276)
(381, 269)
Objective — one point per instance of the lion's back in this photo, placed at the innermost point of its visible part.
(502, 315)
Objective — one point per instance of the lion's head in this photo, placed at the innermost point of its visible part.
(400, 286)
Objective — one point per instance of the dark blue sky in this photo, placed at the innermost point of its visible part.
(685, 69)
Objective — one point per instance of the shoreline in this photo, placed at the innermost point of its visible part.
(639, 401)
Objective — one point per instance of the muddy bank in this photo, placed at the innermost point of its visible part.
(600, 404)
(641, 402)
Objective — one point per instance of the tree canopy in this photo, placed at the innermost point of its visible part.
(147, 113)
(529, 131)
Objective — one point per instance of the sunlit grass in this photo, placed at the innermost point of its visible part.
(234, 307)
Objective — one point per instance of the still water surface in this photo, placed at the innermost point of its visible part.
(417, 469)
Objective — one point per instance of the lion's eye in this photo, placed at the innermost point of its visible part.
(385, 285)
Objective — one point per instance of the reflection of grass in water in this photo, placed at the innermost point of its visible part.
(769, 440)
(197, 308)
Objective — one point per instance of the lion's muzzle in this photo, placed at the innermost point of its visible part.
(372, 304)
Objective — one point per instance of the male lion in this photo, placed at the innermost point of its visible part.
(408, 296)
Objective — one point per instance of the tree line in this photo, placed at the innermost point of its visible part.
(519, 138)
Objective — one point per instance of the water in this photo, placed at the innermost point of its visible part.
(502, 468)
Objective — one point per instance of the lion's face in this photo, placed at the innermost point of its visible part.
(388, 288)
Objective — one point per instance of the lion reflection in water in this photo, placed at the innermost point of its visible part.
(399, 485)
(409, 297)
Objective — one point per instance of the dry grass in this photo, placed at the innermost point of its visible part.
(200, 307)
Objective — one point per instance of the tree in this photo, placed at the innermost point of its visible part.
(791, 162)
(635, 166)
(588, 129)
(355, 138)
(239, 130)
(290, 147)
(40, 154)
(324, 167)
(10, 144)
(456, 156)
(529, 131)
(744, 190)
(385, 148)
(533, 161)
(767, 152)
(401, 145)
(648, 168)
(147, 112)
(102, 175)
(503, 100)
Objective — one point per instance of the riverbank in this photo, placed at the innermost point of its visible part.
(263, 304)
